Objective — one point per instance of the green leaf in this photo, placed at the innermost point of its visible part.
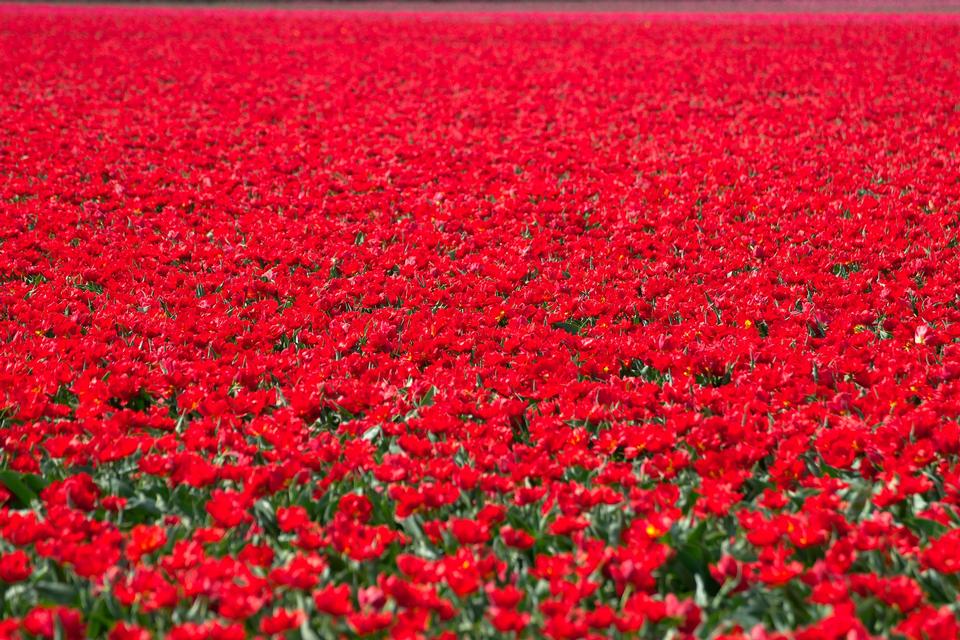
(141, 509)
(689, 569)
(99, 619)
(306, 633)
(265, 516)
(24, 486)
(58, 593)
(427, 398)
(925, 526)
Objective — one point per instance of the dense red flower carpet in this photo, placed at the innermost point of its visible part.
(422, 325)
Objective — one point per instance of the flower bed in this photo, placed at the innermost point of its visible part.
(436, 325)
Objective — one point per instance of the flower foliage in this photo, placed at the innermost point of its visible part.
(321, 325)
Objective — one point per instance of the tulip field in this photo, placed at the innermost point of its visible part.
(326, 324)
